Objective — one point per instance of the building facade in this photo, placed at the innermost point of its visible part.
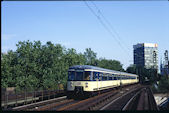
(146, 54)
(164, 67)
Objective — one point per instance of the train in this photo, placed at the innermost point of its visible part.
(87, 81)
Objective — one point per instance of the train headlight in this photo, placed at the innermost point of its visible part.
(71, 84)
(86, 84)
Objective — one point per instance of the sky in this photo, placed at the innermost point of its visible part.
(73, 25)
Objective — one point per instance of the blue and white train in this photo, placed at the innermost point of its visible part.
(86, 80)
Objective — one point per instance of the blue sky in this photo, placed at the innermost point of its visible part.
(73, 25)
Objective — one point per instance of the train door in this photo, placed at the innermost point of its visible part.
(99, 81)
(120, 78)
(95, 78)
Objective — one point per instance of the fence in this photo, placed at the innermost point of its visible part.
(12, 98)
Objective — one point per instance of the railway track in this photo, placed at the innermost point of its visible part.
(142, 100)
(57, 105)
(136, 99)
(92, 103)
(119, 99)
(95, 103)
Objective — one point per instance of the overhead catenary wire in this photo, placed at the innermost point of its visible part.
(105, 26)
(108, 23)
(110, 26)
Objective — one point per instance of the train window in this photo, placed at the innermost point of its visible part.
(100, 76)
(121, 77)
(104, 77)
(87, 75)
(107, 75)
(79, 76)
(118, 78)
(110, 78)
(115, 78)
(95, 76)
(71, 75)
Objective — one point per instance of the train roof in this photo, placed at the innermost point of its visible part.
(98, 68)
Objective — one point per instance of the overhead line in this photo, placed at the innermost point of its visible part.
(110, 25)
(100, 20)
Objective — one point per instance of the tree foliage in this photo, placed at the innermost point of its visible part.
(90, 56)
(110, 64)
(35, 66)
(163, 85)
(149, 74)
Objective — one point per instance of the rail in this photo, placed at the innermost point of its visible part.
(134, 97)
(142, 100)
(94, 103)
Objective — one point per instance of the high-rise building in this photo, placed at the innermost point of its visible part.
(164, 67)
(146, 54)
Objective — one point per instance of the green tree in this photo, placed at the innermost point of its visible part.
(163, 85)
(90, 57)
(150, 74)
(52, 65)
(28, 63)
(110, 64)
(132, 69)
(7, 69)
(35, 66)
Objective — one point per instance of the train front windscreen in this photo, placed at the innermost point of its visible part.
(79, 75)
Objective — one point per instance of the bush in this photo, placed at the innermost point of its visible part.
(163, 85)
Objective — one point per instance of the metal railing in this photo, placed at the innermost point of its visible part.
(11, 99)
